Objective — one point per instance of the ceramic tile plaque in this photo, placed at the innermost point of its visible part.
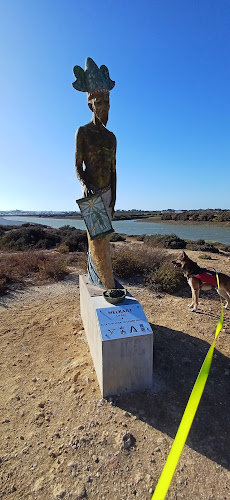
(95, 216)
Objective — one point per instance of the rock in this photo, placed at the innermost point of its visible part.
(129, 441)
(76, 376)
(138, 478)
(80, 492)
(73, 389)
(59, 491)
(85, 379)
(38, 485)
(101, 402)
(71, 465)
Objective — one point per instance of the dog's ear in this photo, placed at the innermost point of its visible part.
(184, 255)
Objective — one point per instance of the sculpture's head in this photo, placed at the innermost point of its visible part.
(99, 105)
(97, 83)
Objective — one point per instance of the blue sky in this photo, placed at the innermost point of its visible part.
(170, 108)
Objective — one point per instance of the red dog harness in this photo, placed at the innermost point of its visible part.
(206, 277)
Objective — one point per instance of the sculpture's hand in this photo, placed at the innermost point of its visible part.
(89, 189)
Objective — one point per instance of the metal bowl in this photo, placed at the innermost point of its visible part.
(115, 295)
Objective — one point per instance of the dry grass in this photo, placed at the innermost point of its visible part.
(33, 266)
(136, 260)
(153, 265)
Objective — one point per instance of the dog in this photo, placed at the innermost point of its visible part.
(202, 279)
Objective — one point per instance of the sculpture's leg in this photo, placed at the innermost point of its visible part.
(100, 252)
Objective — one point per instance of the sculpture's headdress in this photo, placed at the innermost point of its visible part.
(93, 80)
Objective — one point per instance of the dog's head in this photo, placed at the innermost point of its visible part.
(181, 261)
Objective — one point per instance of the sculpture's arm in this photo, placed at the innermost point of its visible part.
(113, 179)
(79, 156)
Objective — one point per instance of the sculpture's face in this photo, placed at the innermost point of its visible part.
(100, 107)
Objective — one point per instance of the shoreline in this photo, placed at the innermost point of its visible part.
(185, 223)
(149, 220)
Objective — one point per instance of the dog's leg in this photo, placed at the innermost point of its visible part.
(195, 293)
(222, 292)
(196, 299)
(193, 297)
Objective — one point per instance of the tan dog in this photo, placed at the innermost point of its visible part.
(202, 279)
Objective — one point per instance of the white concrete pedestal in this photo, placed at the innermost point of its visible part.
(120, 341)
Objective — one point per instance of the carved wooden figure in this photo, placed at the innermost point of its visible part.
(95, 162)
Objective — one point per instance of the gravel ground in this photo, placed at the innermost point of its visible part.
(60, 439)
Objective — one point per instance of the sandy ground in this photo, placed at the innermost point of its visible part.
(60, 439)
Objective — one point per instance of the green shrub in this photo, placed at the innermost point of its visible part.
(41, 237)
(75, 239)
(63, 248)
(117, 237)
(165, 241)
(165, 279)
(204, 247)
(23, 238)
(205, 256)
(136, 260)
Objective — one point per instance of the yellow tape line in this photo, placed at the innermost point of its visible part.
(187, 419)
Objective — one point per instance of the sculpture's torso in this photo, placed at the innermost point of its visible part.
(98, 146)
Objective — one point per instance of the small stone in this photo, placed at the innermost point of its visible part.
(80, 428)
(101, 402)
(129, 441)
(59, 491)
(80, 492)
(34, 379)
(150, 491)
(38, 485)
(73, 389)
(76, 376)
(40, 415)
(41, 404)
(71, 465)
(25, 451)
